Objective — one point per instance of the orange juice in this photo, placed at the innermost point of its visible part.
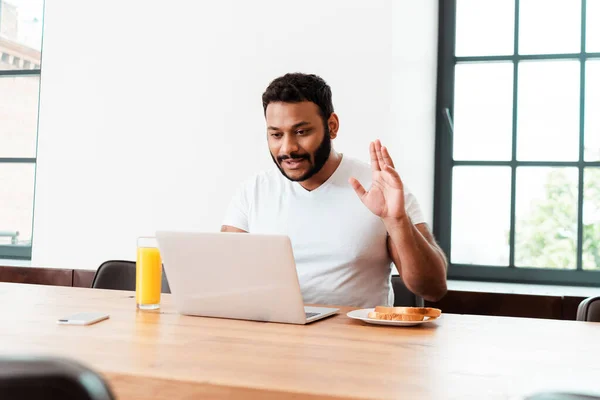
(148, 278)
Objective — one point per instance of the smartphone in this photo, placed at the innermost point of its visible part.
(83, 318)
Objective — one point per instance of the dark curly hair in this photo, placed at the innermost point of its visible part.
(298, 87)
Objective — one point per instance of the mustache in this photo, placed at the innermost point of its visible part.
(293, 156)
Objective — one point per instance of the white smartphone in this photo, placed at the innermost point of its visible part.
(83, 318)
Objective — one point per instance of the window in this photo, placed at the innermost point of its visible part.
(20, 39)
(518, 140)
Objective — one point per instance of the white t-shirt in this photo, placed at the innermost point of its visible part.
(339, 245)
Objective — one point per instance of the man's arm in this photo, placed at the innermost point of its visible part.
(227, 228)
(420, 261)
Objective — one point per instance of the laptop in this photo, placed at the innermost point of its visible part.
(235, 275)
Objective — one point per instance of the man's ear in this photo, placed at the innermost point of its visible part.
(334, 125)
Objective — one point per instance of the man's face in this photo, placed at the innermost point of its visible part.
(298, 139)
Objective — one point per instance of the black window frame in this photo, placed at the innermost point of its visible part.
(12, 251)
(444, 161)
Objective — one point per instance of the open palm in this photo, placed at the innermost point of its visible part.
(385, 198)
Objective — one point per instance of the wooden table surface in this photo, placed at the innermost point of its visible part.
(160, 355)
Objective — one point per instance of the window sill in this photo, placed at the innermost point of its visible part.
(7, 262)
(14, 263)
(522, 288)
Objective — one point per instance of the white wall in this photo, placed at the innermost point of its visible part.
(414, 66)
(151, 113)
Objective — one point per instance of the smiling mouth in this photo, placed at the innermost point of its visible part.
(293, 163)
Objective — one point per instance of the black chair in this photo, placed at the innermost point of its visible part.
(50, 378)
(120, 275)
(589, 310)
(404, 297)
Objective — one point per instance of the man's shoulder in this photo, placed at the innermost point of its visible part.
(262, 179)
(357, 165)
(357, 168)
(270, 175)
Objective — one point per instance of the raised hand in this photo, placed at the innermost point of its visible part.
(385, 198)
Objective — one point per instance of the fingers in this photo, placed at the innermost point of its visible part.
(374, 160)
(358, 188)
(392, 177)
(386, 157)
(379, 154)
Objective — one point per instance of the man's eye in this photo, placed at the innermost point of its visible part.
(276, 135)
(300, 132)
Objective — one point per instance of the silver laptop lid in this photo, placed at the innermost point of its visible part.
(232, 275)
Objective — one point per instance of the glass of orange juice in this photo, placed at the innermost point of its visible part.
(148, 274)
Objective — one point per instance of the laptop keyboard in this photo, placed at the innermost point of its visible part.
(311, 314)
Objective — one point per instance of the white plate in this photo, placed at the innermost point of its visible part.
(363, 315)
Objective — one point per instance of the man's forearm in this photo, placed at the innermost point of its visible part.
(421, 264)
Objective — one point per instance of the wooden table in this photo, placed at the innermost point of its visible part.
(163, 355)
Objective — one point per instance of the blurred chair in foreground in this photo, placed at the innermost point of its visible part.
(50, 379)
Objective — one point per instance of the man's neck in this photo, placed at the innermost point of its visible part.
(333, 161)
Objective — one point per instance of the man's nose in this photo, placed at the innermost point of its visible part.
(289, 145)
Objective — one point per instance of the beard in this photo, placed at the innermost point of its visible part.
(317, 161)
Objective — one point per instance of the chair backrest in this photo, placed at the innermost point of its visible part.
(50, 378)
(589, 310)
(404, 297)
(120, 275)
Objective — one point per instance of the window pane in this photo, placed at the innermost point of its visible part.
(16, 197)
(548, 111)
(592, 106)
(549, 26)
(484, 27)
(592, 40)
(546, 217)
(483, 111)
(18, 115)
(591, 218)
(20, 33)
(480, 215)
